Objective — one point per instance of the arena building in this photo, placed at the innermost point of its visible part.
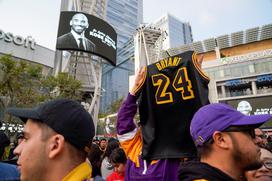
(25, 48)
(240, 68)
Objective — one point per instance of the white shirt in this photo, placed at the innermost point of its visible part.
(77, 37)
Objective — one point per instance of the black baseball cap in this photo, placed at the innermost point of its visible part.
(66, 117)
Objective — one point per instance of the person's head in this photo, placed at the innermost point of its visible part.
(265, 172)
(96, 141)
(244, 107)
(261, 137)
(218, 130)
(112, 144)
(110, 126)
(118, 160)
(79, 23)
(95, 160)
(4, 142)
(58, 132)
(103, 143)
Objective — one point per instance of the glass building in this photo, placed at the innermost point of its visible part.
(115, 81)
(125, 16)
(179, 33)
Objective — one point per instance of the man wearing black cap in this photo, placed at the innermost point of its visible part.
(225, 140)
(57, 138)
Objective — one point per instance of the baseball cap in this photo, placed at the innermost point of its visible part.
(66, 117)
(218, 117)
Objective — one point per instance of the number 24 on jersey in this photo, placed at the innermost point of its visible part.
(181, 83)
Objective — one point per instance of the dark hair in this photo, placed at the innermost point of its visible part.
(4, 141)
(111, 139)
(118, 156)
(77, 155)
(112, 144)
(205, 149)
(95, 160)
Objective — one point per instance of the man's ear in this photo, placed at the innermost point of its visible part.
(71, 23)
(56, 145)
(221, 140)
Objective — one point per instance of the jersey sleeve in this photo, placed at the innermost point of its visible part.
(198, 68)
(128, 135)
(126, 114)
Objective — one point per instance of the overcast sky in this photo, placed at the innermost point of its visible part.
(208, 18)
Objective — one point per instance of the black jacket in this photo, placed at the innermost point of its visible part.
(194, 170)
(68, 42)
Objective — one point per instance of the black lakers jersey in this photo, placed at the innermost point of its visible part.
(174, 89)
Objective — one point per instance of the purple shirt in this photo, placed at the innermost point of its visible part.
(131, 141)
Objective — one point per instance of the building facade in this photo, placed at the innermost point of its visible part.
(125, 16)
(240, 68)
(25, 49)
(115, 81)
(178, 32)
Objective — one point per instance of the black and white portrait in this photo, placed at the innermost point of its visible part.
(75, 39)
(244, 107)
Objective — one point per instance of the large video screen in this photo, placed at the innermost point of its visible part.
(83, 32)
(252, 106)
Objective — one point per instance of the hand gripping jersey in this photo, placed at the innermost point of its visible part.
(174, 89)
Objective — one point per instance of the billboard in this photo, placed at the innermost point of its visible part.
(252, 106)
(86, 33)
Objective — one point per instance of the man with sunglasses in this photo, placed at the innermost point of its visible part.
(261, 137)
(225, 140)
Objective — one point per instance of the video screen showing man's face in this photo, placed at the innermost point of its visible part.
(83, 32)
(79, 23)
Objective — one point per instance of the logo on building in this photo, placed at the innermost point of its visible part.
(18, 40)
(247, 57)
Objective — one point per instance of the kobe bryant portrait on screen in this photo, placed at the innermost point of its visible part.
(76, 39)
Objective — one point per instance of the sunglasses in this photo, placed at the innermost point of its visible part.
(248, 130)
(263, 136)
(245, 129)
(268, 164)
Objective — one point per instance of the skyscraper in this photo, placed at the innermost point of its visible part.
(125, 16)
(179, 33)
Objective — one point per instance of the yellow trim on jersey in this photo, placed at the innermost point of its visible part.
(203, 74)
(163, 92)
(178, 80)
(200, 180)
(154, 161)
(133, 148)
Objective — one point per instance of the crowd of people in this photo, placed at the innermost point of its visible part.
(57, 144)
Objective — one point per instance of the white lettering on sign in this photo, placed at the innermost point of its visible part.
(106, 39)
(18, 40)
(263, 111)
(246, 57)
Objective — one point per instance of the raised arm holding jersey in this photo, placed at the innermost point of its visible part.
(132, 138)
